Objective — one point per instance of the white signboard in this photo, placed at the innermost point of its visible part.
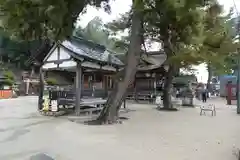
(54, 106)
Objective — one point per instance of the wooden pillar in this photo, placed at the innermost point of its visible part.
(83, 81)
(27, 86)
(78, 85)
(105, 83)
(155, 85)
(41, 89)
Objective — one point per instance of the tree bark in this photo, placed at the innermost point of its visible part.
(41, 89)
(169, 50)
(167, 102)
(109, 114)
(210, 74)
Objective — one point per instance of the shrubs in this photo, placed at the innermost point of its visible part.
(51, 81)
(9, 78)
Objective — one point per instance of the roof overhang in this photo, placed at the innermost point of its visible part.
(62, 58)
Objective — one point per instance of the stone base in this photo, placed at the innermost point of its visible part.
(188, 105)
(167, 109)
(51, 113)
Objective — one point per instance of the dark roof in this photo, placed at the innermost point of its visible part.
(184, 79)
(90, 50)
(148, 61)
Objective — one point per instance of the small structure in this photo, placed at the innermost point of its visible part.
(188, 95)
(187, 98)
(151, 70)
(184, 81)
(148, 79)
(83, 57)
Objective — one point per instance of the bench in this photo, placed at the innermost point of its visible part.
(209, 108)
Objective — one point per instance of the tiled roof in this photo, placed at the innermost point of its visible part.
(88, 49)
(185, 79)
(148, 61)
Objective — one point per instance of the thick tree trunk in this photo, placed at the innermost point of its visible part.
(169, 50)
(110, 112)
(41, 89)
(167, 102)
(210, 74)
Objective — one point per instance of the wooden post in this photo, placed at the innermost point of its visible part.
(78, 85)
(41, 89)
(124, 102)
(27, 86)
(82, 81)
(105, 83)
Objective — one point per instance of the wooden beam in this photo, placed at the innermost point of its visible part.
(58, 55)
(88, 64)
(78, 85)
(58, 61)
(109, 68)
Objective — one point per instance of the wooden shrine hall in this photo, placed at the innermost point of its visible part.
(82, 57)
(149, 77)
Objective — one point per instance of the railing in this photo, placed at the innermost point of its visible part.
(70, 94)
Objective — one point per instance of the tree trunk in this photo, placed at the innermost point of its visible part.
(109, 114)
(167, 102)
(169, 50)
(210, 74)
(41, 89)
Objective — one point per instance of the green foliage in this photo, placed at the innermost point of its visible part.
(219, 45)
(8, 74)
(98, 33)
(192, 32)
(177, 25)
(9, 78)
(39, 19)
(8, 82)
(51, 81)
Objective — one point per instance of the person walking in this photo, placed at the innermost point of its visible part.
(178, 93)
(204, 95)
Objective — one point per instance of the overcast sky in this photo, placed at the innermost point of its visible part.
(121, 6)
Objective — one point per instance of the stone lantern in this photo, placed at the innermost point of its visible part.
(188, 96)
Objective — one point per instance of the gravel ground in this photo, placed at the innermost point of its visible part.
(148, 134)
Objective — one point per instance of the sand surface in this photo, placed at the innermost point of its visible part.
(148, 134)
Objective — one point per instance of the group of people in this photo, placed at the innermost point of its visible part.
(202, 92)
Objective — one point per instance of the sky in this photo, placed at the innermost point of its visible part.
(121, 6)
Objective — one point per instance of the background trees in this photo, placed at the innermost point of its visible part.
(27, 19)
(98, 33)
(179, 27)
(218, 43)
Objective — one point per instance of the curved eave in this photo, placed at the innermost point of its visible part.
(78, 57)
